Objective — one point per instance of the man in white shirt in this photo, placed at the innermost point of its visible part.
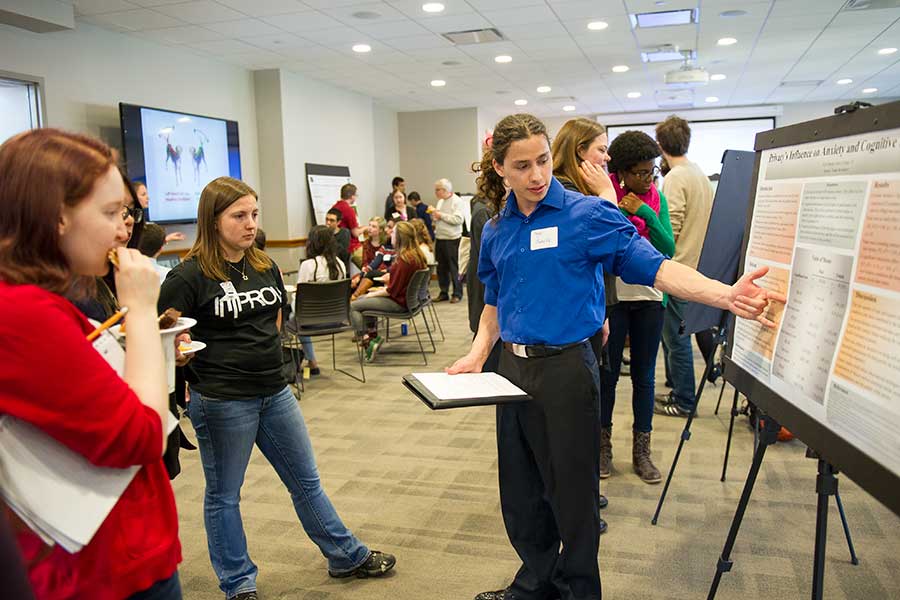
(448, 225)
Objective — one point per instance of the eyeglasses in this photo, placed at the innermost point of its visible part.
(646, 174)
(135, 212)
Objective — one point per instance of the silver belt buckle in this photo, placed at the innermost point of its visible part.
(519, 350)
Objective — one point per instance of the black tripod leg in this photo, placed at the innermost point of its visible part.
(719, 402)
(769, 437)
(685, 436)
(853, 558)
(734, 412)
(826, 485)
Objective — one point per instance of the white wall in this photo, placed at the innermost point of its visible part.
(436, 144)
(88, 71)
(387, 153)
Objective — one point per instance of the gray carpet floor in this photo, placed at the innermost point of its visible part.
(423, 486)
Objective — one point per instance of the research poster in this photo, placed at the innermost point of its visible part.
(826, 221)
(324, 191)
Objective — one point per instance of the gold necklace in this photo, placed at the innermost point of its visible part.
(243, 268)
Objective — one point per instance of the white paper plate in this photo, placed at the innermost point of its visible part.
(194, 346)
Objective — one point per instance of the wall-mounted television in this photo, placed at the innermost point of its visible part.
(176, 154)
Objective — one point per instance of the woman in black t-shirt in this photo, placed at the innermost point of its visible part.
(240, 396)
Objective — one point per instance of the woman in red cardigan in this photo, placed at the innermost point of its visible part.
(61, 211)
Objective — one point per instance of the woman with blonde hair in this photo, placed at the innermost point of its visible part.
(240, 397)
(392, 297)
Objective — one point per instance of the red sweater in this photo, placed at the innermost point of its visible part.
(401, 272)
(51, 377)
(348, 221)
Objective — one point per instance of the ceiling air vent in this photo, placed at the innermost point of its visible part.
(806, 83)
(674, 98)
(474, 36)
(857, 5)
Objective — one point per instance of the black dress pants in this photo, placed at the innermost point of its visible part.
(446, 253)
(549, 474)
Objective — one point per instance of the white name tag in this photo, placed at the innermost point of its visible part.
(229, 288)
(544, 238)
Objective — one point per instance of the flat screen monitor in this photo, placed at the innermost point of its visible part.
(175, 155)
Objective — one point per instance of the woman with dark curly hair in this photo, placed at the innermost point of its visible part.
(639, 312)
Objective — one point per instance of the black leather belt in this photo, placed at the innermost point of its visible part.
(538, 350)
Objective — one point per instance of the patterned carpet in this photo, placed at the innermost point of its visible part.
(423, 485)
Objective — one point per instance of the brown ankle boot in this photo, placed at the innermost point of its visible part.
(605, 451)
(640, 458)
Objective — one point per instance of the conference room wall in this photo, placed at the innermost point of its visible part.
(89, 70)
(436, 144)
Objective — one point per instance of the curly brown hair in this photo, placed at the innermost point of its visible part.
(512, 128)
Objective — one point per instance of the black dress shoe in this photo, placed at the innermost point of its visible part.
(442, 298)
(603, 501)
(603, 526)
(376, 565)
(497, 595)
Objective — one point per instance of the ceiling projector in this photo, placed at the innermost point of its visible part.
(687, 77)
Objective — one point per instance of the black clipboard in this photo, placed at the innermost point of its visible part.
(434, 403)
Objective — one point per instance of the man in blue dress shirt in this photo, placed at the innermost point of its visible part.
(542, 263)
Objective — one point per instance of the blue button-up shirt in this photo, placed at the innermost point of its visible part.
(548, 293)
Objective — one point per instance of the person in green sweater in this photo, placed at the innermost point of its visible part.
(639, 312)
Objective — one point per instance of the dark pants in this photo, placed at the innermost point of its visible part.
(446, 253)
(167, 589)
(679, 355)
(642, 320)
(549, 483)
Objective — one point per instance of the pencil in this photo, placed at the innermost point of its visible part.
(107, 324)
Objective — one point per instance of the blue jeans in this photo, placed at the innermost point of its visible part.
(679, 355)
(166, 589)
(308, 351)
(642, 320)
(226, 431)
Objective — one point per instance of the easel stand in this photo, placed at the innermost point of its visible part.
(826, 485)
(720, 340)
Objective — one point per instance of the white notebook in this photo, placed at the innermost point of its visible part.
(61, 496)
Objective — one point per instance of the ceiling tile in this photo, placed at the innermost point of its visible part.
(304, 21)
(265, 8)
(244, 28)
(181, 35)
(200, 12)
(96, 7)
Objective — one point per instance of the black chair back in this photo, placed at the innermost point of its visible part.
(323, 303)
(414, 289)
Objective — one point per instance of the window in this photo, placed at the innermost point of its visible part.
(20, 106)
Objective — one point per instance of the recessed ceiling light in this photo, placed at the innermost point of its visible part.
(438, 83)
(726, 41)
(620, 68)
(598, 25)
(730, 14)
(869, 90)
(886, 51)
(433, 7)
(717, 77)
(544, 89)
(844, 81)
(633, 94)
(568, 108)
(712, 98)
(362, 48)
(503, 58)
(521, 102)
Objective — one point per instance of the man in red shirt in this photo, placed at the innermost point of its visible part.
(348, 214)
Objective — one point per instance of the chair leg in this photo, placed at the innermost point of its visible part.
(428, 329)
(359, 353)
(419, 339)
(435, 318)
